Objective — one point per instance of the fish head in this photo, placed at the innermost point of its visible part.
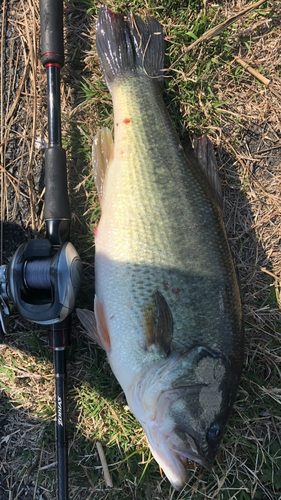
(183, 404)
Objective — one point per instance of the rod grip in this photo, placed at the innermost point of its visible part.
(51, 20)
(56, 197)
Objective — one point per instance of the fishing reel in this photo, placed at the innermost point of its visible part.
(42, 281)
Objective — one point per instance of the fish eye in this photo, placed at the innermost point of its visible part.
(214, 431)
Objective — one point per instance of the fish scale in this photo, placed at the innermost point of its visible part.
(167, 307)
(136, 189)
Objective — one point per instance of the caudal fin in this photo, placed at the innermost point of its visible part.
(129, 47)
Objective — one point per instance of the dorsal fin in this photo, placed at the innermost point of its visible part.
(203, 151)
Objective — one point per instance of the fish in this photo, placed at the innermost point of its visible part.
(167, 307)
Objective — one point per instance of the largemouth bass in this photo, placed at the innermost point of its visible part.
(167, 307)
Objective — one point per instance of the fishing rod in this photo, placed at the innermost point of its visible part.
(43, 277)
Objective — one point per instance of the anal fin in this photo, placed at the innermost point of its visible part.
(102, 154)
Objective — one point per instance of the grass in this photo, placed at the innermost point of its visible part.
(208, 92)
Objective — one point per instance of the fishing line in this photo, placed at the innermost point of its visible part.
(37, 274)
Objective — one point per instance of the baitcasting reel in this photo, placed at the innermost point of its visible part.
(42, 281)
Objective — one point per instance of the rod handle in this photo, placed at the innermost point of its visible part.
(51, 20)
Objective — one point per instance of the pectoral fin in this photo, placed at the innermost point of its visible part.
(102, 154)
(159, 323)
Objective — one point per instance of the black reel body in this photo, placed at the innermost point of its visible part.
(43, 281)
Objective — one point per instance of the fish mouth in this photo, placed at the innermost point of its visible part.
(173, 450)
(199, 459)
(181, 458)
(192, 450)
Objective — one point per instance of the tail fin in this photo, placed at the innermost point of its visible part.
(127, 47)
